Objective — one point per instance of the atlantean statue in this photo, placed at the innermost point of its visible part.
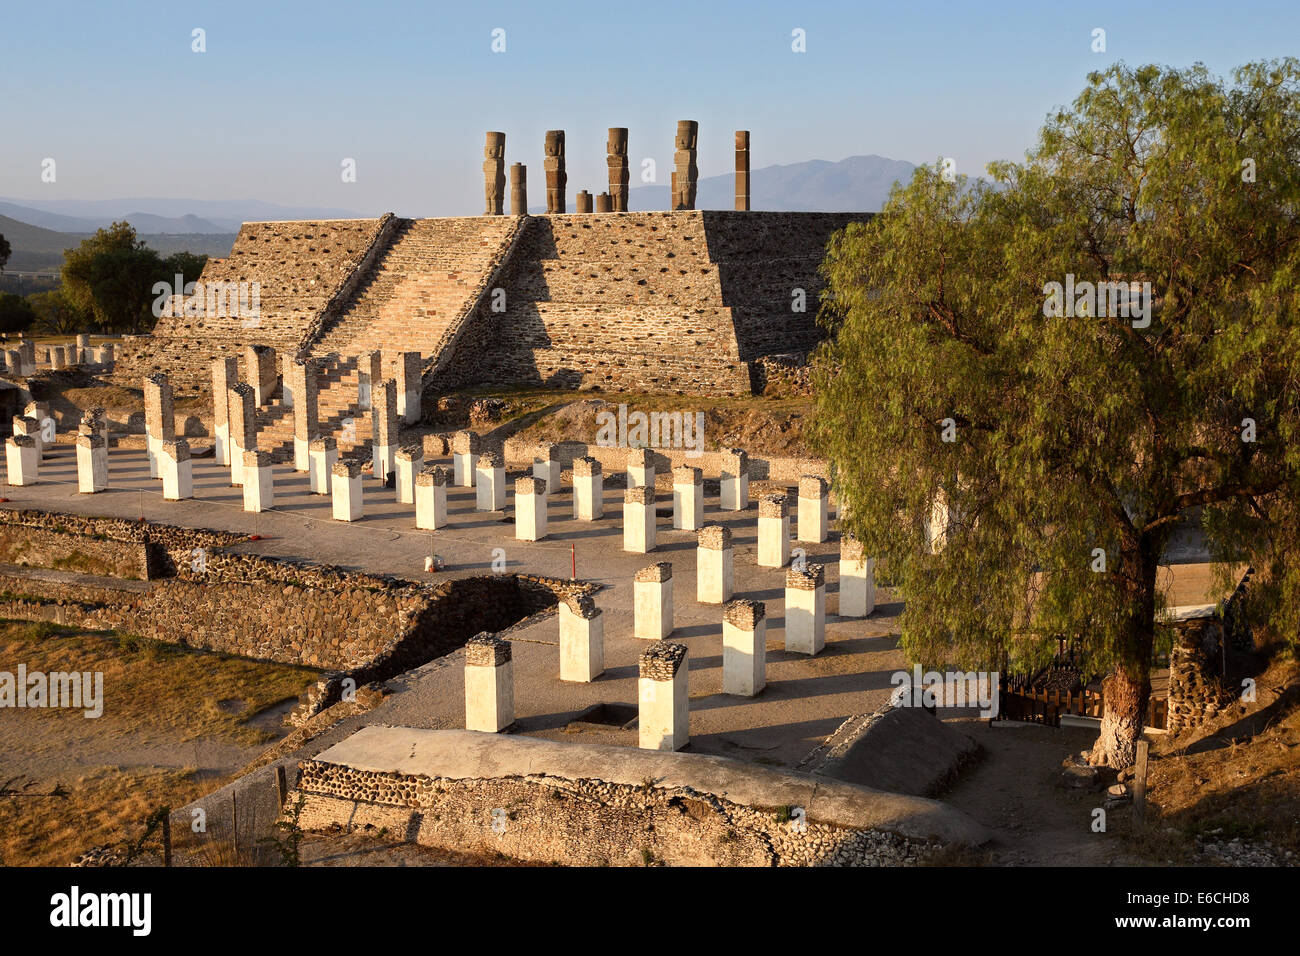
(616, 149)
(685, 173)
(494, 174)
(556, 177)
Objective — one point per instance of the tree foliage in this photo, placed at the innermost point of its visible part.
(5, 251)
(1084, 433)
(111, 275)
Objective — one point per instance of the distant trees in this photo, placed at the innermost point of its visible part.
(4, 252)
(16, 313)
(110, 278)
(1066, 451)
(54, 314)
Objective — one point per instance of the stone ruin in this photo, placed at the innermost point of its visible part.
(685, 173)
(556, 178)
(494, 174)
(616, 158)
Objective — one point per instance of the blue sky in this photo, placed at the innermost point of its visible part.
(286, 91)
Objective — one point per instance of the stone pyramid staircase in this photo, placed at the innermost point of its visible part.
(430, 275)
(336, 405)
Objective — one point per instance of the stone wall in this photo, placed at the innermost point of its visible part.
(369, 626)
(584, 823)
(299, 267)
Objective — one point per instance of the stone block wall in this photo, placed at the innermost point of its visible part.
(299, 268)
(585, 822)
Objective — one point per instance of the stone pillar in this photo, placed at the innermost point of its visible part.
(715, 572)
(408, 374)
(494, 174)
(431, 499)
(466, 446)
(262, 374)
(530, 509)
(518, 189)
(490, 482)
(225, 373)
(688, 498)
(546, 466)
(21, 460)
(938, 524)
(57, 357)
(616, 158)
(436, 446)
(588, 489)
(383, 431)
(345, 490)
(242, 403)
(813, 511)
(583, 201)
(29, 358)
(735, 480)
(805, 609)
(92, 464)
(556, 178)
(489, 684)
(177, 470)
(259, 483)
(773, 531)
(639, 520)
(582, 639)
(323, 453)
(159, 417)
(640, 468)
(286, 380)
(663, 697)
(685, 172)
(408, 460)
(14, 362)
(857, 579)
(370, 372)
(29, 426)
(742, 169)
(603, 203)
(744, 648)
(306, 415)
(652, 602)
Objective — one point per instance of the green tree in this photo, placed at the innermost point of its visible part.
(16, 314)
(945, 381)
(5, 250)
(55, 314)
(185, 264)
(110, 276)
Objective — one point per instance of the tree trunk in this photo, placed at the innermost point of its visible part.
(1126, 691)
(1126, 697)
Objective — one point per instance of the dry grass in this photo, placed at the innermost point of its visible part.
(157, 697)
(1240, 776)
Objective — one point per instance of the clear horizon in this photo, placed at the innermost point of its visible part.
(282, 96)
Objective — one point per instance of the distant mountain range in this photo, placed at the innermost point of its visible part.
(39, 230)
(856, 184)
(157, 216)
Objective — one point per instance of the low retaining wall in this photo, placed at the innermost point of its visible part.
(584, 804)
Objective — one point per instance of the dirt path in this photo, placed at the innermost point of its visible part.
(1013, 791)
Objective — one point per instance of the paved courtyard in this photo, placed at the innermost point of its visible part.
(805, 698)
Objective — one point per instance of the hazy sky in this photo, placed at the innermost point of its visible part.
(286, 91)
